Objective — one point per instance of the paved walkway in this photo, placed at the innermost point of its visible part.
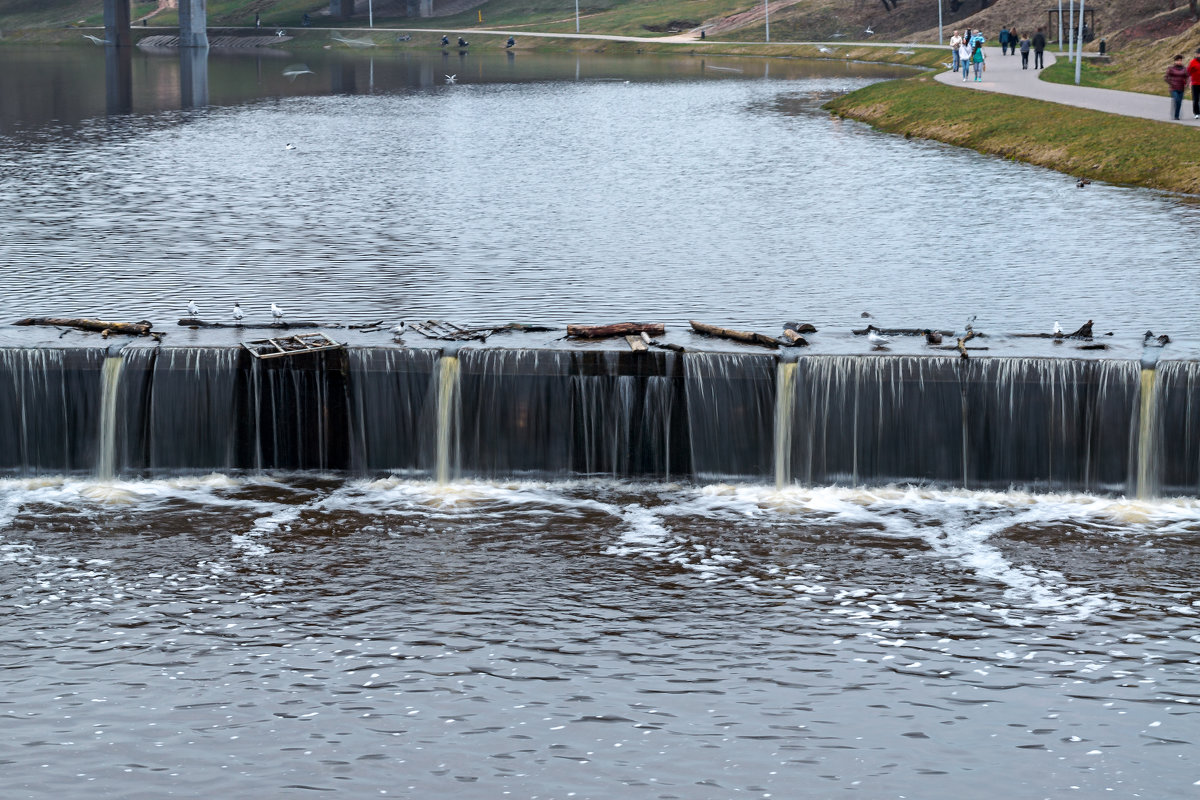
(1004, 75)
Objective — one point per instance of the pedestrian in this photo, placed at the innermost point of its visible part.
(964, 58)
(955, 43)
(977, 59)
(1193, 69)
(1025, 45)
(1177, 80)
(1039, 45)
(257, 21)
(1004, 41)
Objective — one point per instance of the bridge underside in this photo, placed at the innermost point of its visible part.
(193, 23)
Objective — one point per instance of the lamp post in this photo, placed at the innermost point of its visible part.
(1060, 26)
(370, 14)
(939, 22)
(1070, 30)
(1079, 46)
(577, 16)
(767, 17)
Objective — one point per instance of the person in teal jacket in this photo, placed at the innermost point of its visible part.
(977, 57)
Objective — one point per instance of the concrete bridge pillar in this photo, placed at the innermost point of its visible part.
(342, 9)
(193, 23)
(116, 22)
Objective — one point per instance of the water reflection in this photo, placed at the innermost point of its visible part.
(193, 77)
(118, 80)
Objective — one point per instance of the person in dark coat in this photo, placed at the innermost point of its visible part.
(1177, 81)
(1039, 47)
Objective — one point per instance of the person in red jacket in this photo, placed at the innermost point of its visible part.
(1193, 69)
(1177, 81)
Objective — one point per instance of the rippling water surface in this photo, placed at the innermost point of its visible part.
(290, 635)
(395, 638)
(551, 189)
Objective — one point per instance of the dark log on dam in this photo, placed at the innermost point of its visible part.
(1043, 424)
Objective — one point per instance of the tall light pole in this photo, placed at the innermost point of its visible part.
(370, 14)
(1079, 46)
(577, 16)
(939, 21)
(1071, 30)
(1060, 26)
(767, 16)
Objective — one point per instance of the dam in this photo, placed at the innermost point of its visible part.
(1044, 424)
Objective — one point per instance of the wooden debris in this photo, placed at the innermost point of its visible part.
(100, 326)
(615, 329)
(962, 343)
(436, 329)
(636, 344)
(800, 327)
(196, 322)
(749, 337)
(901, 331)
(280, 346)
(366, 326)
(1096, 346)
(794, 339)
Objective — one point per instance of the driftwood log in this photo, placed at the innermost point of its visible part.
(800, 327)
(636, 344)
(749, 337)
(196, 322)
(901, 331)
(615, 329)
(100, 326)
(794, 339)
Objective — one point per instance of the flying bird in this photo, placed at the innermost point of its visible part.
(237, 312)
(96, 39)
(824, 49)
(289, 146)
(276, 313)
(193, 309)
(293, 71)
(869, 31)
(905, 52)
(451, 78)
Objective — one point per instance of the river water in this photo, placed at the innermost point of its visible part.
(289, 634)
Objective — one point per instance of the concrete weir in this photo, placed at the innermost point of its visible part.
(1043, 424)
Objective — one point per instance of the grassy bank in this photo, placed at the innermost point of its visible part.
(1082, 143)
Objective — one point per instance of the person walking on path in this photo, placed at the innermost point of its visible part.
(1025, 45)
(1177, 81)
(1004, 41)
(977, 59)
(964, 58)
(1039, 46)
(955, 43)
(1193, 69)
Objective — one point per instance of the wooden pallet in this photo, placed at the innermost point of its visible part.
(435, 329)
(280, 346)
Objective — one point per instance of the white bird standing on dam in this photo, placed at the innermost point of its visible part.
(276, 313)
(237, 312)
(193, 309)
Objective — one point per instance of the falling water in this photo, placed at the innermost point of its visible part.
(1147, 483)
(110, 382)
(785, 401)
(447, 416)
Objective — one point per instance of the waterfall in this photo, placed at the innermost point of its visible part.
(1147, 477)
(785, 412)
(448, 414)
(110, 384)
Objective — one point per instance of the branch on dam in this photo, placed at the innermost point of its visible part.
(615, 329)
(99, 326)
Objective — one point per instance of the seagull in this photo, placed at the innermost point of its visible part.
(281, 33)
(1058, 331)
(947, 65)
(289, 146)
(96, 39)
(276, 313)
(237, 312)
(905, 52)
(193, 309)
(293, 71)
(877, 341)
(824, 49)
(723, 69)
(397, 330)
(869, 31)
(836, 35)
(451, 78)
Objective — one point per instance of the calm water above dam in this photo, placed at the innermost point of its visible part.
(221, 580)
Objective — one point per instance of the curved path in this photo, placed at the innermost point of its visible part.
(1004, 75)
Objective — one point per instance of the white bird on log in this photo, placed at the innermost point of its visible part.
(276, 313)
(193, 309)
(1058, 331)
(237, 312)
(877, 341)
(96, 39)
